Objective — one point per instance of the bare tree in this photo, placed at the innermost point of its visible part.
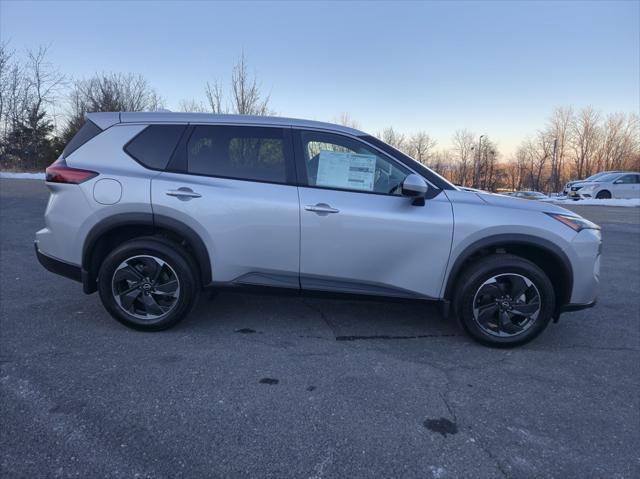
(442, 162)
(618, 141)
(28, 91)
(109, 92)
(215, 98)
(45, 81)
(6, 60)
(629, 157)
(584, 138)
(512, 171)
(345, 119)
(420, 146)
(534, 156)
(463, 149)
(485, 164)
(193, 106)
(393, 138)
(246, 97)
(559, 128)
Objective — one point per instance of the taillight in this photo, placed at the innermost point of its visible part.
(59, 172)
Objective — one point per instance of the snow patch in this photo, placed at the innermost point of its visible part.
(595, 202)
(21, 176)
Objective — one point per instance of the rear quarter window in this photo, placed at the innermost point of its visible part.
(154, 146)
(88, 131)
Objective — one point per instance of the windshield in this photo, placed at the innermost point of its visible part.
(597, 176)
(608, 177)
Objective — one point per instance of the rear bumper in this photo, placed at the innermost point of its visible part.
(57, 266)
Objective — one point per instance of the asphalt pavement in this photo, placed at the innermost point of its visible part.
(268, 386)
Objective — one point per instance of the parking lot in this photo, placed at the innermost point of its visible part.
(270, 386)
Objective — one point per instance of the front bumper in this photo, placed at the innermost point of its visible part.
(574, 195)
(585, 255)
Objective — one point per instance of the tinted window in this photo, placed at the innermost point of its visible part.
(88, 131)
(335, 161)
(154, 146)
(627, 179)
(245, 153)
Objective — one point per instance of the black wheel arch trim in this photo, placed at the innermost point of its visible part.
(499, 240)
(153, 222)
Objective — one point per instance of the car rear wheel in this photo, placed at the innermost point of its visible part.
(603, 195)
(504, 300)
(148, 284)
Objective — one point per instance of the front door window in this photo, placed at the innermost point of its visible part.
(338, 162)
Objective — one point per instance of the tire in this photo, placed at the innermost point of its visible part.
(603, 195)
(479, 309)
(129, 293)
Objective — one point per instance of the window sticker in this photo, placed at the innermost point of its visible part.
(346, 170)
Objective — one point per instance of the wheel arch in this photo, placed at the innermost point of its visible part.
(545, 254)
(111, 231)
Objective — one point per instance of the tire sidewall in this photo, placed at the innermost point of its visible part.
(178, 262)
(481, 273)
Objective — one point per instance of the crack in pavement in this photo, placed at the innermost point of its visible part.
(321, 314)
(589, 348)
(493, 458)
(386, 336)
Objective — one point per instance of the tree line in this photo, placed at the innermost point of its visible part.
(41, 109)
(572, 145)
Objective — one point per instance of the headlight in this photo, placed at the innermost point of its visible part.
(574, 222)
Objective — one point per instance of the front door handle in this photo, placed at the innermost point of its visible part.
(321, 209)
(184, 194)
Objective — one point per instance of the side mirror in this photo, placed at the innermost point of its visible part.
(414, 186)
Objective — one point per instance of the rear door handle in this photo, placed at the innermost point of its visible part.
(321, 208)
(183, 194)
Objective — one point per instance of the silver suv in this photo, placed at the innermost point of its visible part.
(150, 208)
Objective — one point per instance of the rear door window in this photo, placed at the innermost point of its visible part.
(155, 144)
(627, 179)
(238, 152)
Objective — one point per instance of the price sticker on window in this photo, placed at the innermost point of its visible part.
(352, 171)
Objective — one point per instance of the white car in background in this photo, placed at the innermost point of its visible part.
(613, 185)
(529, 195)
(567, 188)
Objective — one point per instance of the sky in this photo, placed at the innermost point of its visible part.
(496, 68)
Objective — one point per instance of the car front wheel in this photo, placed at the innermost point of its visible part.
(504, 300)
(148, 284)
